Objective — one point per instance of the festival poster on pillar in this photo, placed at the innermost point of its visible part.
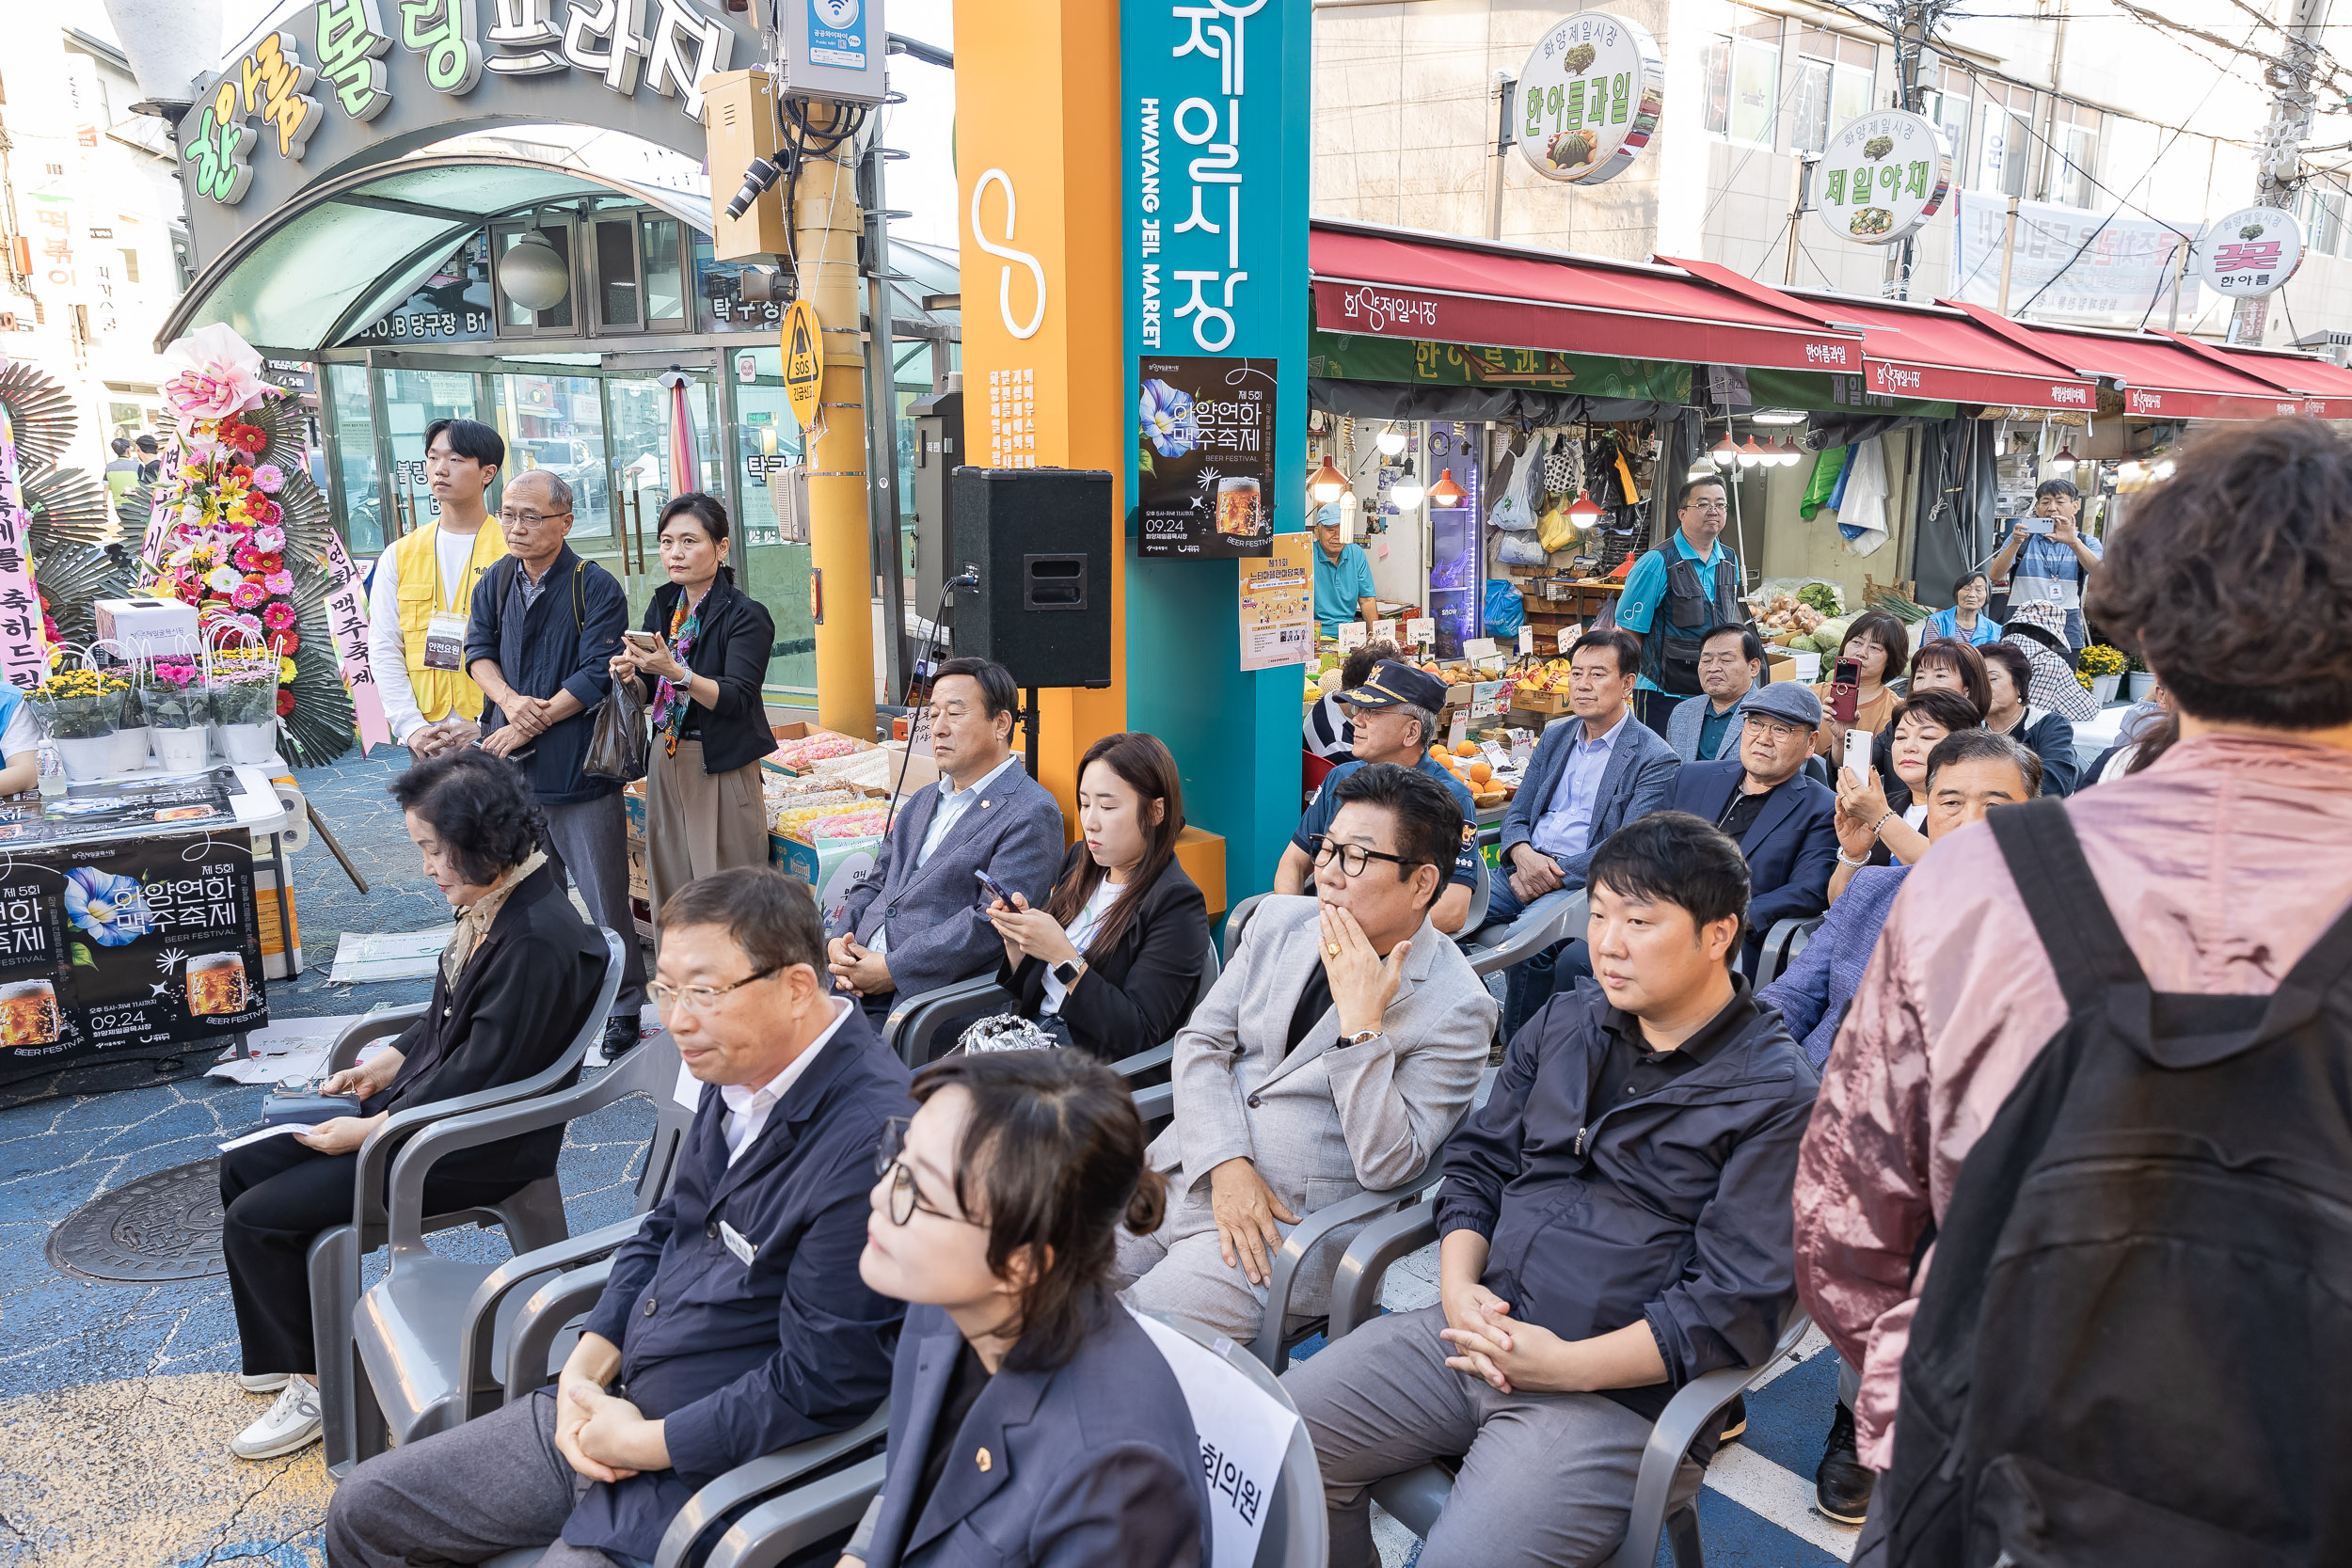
(1204, 457)
(125, 946)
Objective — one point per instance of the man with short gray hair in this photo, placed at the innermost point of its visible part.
(543, 630)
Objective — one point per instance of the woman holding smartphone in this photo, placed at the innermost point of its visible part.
(703, 652)
(1111, 965)
(1876, 647)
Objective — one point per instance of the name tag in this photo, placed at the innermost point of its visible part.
(735, 1244)
(445, 640)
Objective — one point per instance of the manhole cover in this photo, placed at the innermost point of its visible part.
(160, 1227)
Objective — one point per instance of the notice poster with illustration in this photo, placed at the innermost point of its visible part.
(1278, 620)
(1205, 467)
(127, 945)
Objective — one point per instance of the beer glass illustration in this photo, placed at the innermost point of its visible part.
(1238, 511)
(216, 984)
(28, 1013)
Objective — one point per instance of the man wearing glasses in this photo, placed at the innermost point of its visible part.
(733, 1322)
(539, 642)
(1697, 582)
(1332, 1057)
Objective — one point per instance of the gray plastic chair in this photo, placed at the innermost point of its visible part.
(1782, 944)
(914, 1025)
(1236, 918)
(530, 1218)
(1555, 917)
(1417, 1497)
(428, 1332)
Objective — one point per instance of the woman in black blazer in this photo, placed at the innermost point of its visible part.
(515, 986)
(706, 659)
(1112, 962)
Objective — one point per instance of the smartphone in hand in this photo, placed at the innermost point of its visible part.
(995, 889)
(643, 641)
(1845, 682)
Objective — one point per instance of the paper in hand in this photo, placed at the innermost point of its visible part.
(269, 1132)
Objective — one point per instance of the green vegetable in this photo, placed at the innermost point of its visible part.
(1803, 644)
(1819, 597)
(1908, 611)
(1830, 636)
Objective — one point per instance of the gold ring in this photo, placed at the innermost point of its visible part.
(1333, 950)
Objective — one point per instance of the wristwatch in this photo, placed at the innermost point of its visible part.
(1067, 973)
(1361, 1036)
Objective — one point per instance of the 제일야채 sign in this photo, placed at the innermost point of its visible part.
(1881, 178)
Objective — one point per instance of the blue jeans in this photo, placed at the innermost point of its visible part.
(1530, 982)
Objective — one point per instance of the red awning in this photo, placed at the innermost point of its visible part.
(1395, 283)
(1924, 351)
(2325, 388)
(2159, 378)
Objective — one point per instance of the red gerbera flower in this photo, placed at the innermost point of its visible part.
(285, 702)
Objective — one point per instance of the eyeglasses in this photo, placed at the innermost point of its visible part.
(905, 1196)
(1353, 858)
(511, 519)
(698, 999)
(1774, 728)
(1706, 506)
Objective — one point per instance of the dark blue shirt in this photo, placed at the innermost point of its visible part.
(1326, 805)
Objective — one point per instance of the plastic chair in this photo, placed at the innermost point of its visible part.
(1555, 917)
(914, 1025)
(1417, 1497)
(1782, 944)
(532, 1217)
(427, 1333)
(1236, 918)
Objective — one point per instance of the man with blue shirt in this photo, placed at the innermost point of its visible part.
(2051, 567)
(1395, 718)
(1678, 593)
(1342, 577)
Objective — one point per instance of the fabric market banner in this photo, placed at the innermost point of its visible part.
(2122, 278)
(1346, 356)
(347, 618)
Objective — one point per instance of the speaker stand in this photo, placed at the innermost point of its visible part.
(1028, 723)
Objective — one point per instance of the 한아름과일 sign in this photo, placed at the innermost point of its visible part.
(1881, 178)
(1589, 98)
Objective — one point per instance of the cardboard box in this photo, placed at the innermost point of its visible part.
(828, 866)
(1781, 667)
(638, 888)
(1546, 703)
(633, 808)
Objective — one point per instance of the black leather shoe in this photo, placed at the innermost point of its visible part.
(620, 1039)
(1842, 1485)
(1735, 1418)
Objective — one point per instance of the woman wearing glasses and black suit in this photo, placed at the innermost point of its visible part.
(1032, 1420)
(1113, 962)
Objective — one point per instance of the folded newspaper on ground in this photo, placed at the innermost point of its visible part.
(389, 955)
(1243, 1434)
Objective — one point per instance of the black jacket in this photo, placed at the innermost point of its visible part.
(1135, 994)
(738, 635)
(518, 1002)
(563, 642)
(1672, 1208)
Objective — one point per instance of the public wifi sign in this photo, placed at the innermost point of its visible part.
(1881, 178)
(1589, 97)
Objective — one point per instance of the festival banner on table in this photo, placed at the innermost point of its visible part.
(347, 618)
(125, 945)
(1205, 485)
(20, 661)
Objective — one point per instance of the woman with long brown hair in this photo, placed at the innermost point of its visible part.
(1112, 962)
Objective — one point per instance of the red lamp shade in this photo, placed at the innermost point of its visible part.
(1584, 512)
(1327, 484)
(1445, 492)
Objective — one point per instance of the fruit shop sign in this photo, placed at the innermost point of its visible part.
(1881, 178)
(1589, 98)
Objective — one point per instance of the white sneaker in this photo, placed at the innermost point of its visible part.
(268, 1383)
(291, 1423)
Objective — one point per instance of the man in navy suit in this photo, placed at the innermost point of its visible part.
(733, 1322)
(1784, 823)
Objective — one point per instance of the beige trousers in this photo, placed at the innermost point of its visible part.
(697, 823)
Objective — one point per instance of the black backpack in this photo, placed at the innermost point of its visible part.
(2134, 1346)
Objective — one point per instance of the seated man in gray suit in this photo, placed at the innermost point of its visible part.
(912, 922)
(1332, 1057)
(1706, 728)
(1590, 776)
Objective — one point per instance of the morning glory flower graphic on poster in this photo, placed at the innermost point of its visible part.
(1165, 415)
(110, 908)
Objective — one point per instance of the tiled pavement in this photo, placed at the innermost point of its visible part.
(116, 1402)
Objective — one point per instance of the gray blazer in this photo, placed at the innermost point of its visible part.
(1325, 1121)
(1682, 730)
(932, 913)
(1639, 776)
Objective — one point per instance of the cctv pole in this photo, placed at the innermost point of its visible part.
(826, 224)
(2280, 159)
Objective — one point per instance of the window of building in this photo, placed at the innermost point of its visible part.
(2004, 152)
(1743, 82)
(1834, 81)
(2074, 154)
(557, 319)
(665, 271)
(2322, 210)
(130, 267)
(1948, 106)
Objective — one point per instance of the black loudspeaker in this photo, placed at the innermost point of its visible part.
(1040, 540)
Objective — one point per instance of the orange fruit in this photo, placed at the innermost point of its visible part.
(1481, 771)
(1465, 749)
(1437, 753)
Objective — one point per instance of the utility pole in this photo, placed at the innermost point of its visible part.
(1506, 99)
(1911, 44)
(2282, 155)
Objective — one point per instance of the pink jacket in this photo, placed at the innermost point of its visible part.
(2222, 863)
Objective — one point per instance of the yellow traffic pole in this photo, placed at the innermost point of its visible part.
(826, 224)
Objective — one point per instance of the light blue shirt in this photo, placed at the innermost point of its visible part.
(953, 804)
(1646, 587)
(1946, 623)
(1567, 821)
(1340, 585)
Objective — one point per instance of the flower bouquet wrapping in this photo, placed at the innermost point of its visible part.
(180, 712)
(130, 727)
(245, 703)
(79, 713)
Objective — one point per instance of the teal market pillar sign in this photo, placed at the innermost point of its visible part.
(1214, 104)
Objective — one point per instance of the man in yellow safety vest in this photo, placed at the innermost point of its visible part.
(423, 589)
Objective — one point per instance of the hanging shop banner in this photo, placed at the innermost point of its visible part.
(127, 944)
(1589, 98)
(2251, 252)
(20, 607)
(1204, 457)
(1881, 178)
(1343, 357)
(1830, 393)
(2069, 261)
(347, 620)
(1278, 606)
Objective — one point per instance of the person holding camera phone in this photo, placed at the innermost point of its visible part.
(1856, 698)
(2047, 558)
(703, 650)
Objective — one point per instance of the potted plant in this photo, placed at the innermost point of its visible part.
(244, 690)
(2139, 682)
(132, 731)
(79, 715)
(180, 714)
(2103, 666)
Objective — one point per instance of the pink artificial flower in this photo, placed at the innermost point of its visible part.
(278, 582)
(248, 559)
(264, 513)
(269, 539)
(248, 595)
(279, 617)
(219, 374)
(267, 477)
